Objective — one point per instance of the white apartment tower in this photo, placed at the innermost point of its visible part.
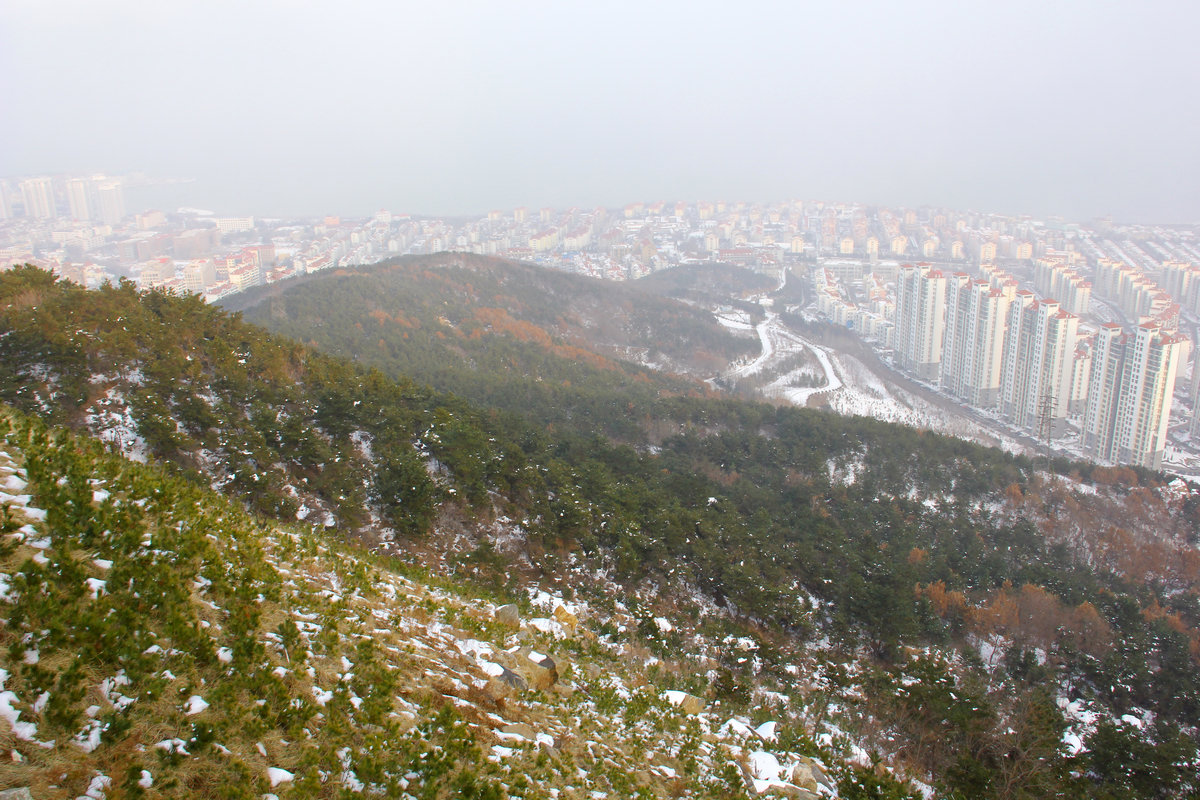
(920, 319)
(976, 321)
(111, 198)
(1130, 393)
(1039, 356)
(81, 199)
(38, 194)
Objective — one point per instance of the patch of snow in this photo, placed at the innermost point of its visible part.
(736, 727)
(276, 776)
(764, 766)
(195, 705)
(96, 788)
(549, 627)
(8, 700)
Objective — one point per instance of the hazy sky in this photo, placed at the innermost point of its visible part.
(445, 107)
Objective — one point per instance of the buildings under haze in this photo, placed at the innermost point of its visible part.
(1129, 399)
(1001, 315)
(1039, 350)
(976, 318)
(920, 319)
(38, 196)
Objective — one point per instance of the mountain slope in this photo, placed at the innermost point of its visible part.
(158, 642)
(829, 565)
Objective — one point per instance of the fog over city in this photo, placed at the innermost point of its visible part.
(1078, 109)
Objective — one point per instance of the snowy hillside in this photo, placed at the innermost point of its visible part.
(224, 652)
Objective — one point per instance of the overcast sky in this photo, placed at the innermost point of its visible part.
(446, 107)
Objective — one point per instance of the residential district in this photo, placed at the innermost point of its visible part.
(1079, 335)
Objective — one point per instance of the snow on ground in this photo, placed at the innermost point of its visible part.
(735, 320)
(111, 420)
(849, 387)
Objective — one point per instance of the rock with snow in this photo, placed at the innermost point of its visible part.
(808, 768)
(520, 730)
(767, 731)
(276, 776)
(764, 766)
(687, 703)
(537, 669)
(736, 727)
(504, 684)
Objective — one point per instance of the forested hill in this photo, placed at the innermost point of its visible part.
(708, 284)
(986, 627)
(542, 340)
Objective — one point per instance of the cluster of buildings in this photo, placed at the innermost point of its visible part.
(80, 226)
(1007, 349)
(1062, 330)
(1068, 333)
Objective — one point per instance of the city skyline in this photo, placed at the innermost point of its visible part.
(1021, 319)
(1074, 110)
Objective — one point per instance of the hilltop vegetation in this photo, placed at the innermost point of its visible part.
(972, 622)
(546, 340)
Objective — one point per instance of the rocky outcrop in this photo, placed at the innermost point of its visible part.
(508, 616)
(538, 670)
(567, 619)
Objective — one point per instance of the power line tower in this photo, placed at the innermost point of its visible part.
(1046, 420)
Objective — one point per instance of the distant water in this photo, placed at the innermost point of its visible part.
(166, 197)
(222, 197)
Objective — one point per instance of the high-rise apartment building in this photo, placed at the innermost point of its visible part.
(920, 319)
(1182, 281)
(82, 200)
(1130, 394)
(1052, 277)
(6, 200)
(111, 198)
(976, 321)
(38, 194)
(1039, 355)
